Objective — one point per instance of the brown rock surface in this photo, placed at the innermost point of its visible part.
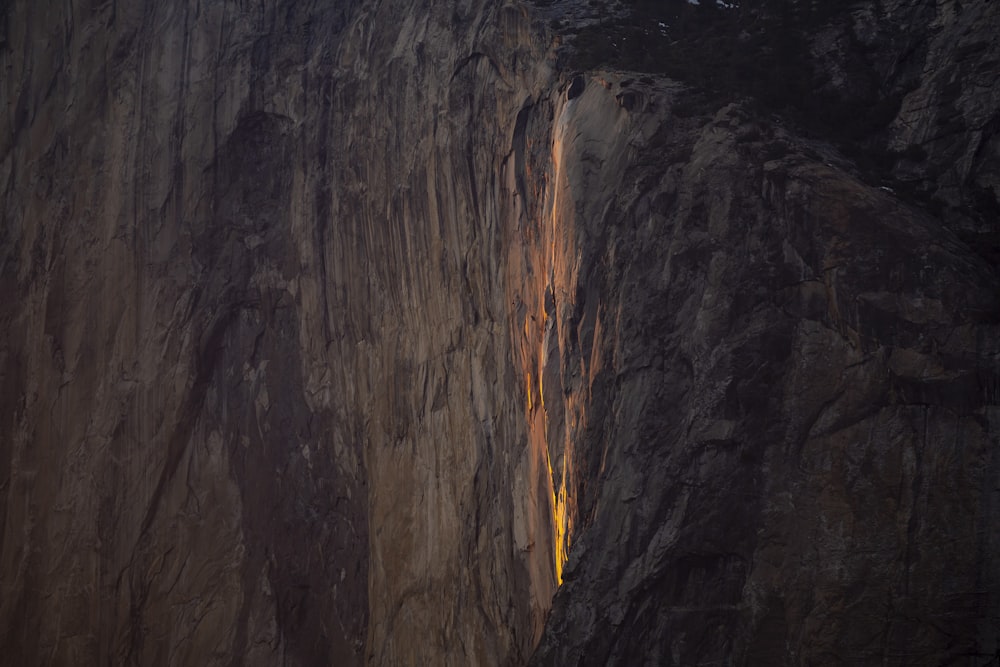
(259, 404)
(342, 333)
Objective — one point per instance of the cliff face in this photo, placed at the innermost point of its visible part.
(789, 454)
(258, 401)
(373, 334)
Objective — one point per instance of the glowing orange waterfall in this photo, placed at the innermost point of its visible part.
(541, 276)
(562, 522)
(554, 266)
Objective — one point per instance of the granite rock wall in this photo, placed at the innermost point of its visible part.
(373, 333)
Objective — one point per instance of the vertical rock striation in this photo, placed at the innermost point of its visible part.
(368, 333)
(171, 493)
(258, 402)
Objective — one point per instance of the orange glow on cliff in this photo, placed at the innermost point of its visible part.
(549, 263)
(529, 394)
(561, 521)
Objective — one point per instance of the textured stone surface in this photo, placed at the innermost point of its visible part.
(342, 333)
(791, 425)
(257, 401)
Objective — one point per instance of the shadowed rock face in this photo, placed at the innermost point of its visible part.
(792, 423)
(357, 334)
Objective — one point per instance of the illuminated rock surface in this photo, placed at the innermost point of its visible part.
(342, 334)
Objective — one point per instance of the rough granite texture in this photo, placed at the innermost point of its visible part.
(368, 333)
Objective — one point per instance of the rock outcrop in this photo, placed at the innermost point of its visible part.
(376, 333)
(789, 382)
